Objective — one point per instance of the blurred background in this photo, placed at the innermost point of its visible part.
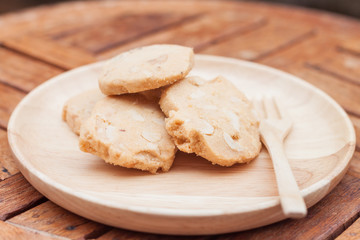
(346, 7)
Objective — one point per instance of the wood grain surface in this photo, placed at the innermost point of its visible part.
(319, 47)
(50, 218)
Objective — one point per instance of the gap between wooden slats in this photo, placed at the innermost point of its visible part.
(17, 195)
(12, 231)
(49, 51)
(339, 64)
(50, 218)
(24, 72)
(9, 98)
(119, 30)
(8, 167)
(350, 45)
(200, 32)
(352, 232)
(271, 38)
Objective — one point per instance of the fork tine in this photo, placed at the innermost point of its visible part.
(259, 107)
(270, 107)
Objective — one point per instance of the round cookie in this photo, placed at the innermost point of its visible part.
(212, 119)
(77, 109)
(145, 68)
(128, 131)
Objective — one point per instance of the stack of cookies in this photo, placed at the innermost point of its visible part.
(148, 108)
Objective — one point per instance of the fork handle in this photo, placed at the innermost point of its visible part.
(292, 202)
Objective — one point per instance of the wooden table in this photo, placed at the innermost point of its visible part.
(36, 44)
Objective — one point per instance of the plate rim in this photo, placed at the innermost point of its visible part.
(27, 168)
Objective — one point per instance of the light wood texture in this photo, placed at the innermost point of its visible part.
(283, 37)
(318, 159)
(275, 125)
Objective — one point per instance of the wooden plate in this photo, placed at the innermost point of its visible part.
(195, 197)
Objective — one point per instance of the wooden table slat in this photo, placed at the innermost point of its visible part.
(259, 43)
(9, 232)
(339, 64)
(329, 23)
(105, 35)
(17, 195)
(344, 93)
(351, 45)
(356, 123)
(23, 72)
(352, 233)
(198, 33)
(44, 23)
(131, 235)
(294, 60)
(9, 98)
(8, 167)
(354, 169)
(48, 217)
(50, 51)
(301, 52)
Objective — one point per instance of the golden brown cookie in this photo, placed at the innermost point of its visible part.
(146, 68)
(128, 131)
(78, 108)
(212, 119)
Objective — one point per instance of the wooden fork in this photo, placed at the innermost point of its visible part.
(275, 125)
